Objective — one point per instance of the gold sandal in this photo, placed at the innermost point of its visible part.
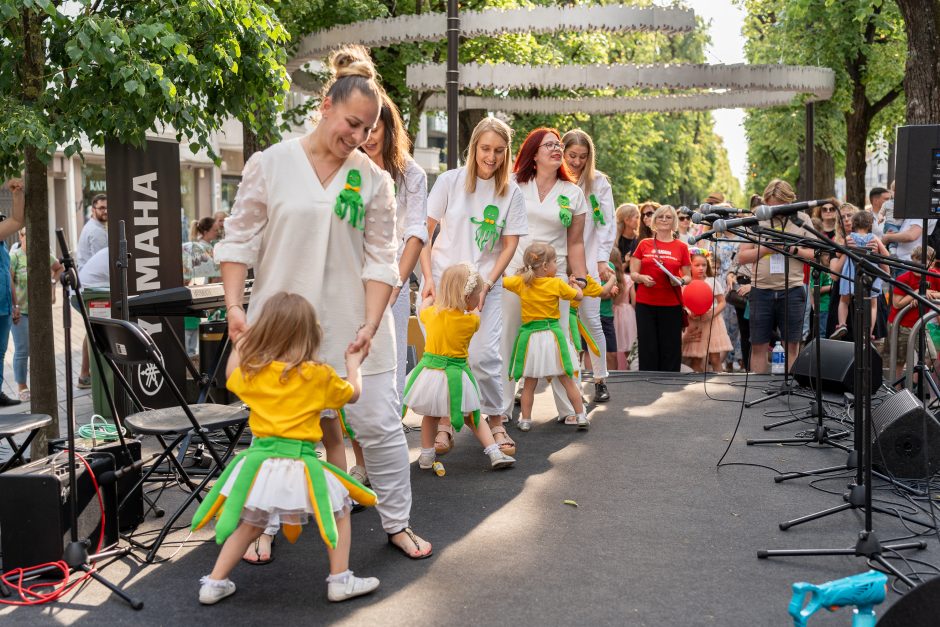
(506, 445)
(442, 448)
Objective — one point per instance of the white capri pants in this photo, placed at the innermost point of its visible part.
(485, 358)
(401, 312)
(512, 320)
(590, 315)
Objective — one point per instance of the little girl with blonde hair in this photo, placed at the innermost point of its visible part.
(274, 370)
(441, 387)
(542, 349)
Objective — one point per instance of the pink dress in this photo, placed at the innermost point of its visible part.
(624, 325)
(707, 335)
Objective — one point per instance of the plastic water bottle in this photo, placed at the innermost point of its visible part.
(778, 360)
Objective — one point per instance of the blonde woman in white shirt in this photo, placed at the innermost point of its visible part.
(481, 214)
(600, 229)
(556, 211)
(315, 216)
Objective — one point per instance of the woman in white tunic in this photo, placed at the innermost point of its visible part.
(482, 216)
(316, 217)
(600, 229)
(556, 210)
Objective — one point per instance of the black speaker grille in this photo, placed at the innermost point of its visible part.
(898, 437)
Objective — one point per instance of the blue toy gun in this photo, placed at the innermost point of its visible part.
(864, 591)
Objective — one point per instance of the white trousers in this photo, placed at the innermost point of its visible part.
(375, 418)
(512, 320)
(485, 359)
(590, 315)
(401, 312)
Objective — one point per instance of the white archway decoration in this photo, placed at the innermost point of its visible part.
(492, 22)
(820, 82)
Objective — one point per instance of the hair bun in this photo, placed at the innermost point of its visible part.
(352, 60)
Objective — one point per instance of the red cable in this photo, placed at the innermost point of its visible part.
(31, 595)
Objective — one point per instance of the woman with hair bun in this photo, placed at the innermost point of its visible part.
(318, 201)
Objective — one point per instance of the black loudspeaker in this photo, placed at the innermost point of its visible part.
(917, 189)
(132, 512)
(898, 437)
(918, 608)
(210, 349)
(35, 509)
(837, 361)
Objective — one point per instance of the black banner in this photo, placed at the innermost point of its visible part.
(144, 192)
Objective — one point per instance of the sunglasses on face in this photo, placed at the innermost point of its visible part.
(648, 214)
(828, 209)
(683, 218)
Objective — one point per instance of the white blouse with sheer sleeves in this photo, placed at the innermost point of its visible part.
(283, 225)
(603, 235)
(412, 199)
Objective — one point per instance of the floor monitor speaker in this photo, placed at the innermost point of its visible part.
(898, 443)
(837, 366)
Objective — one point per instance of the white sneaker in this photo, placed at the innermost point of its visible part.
(213, 591)
(359, 474)
(583, 423)
(425, 461)
(352, 587)
(499, 460)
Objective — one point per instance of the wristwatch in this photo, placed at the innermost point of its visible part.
(581, 281)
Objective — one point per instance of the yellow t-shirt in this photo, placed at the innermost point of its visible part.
(448, 331)
(540, 300)
(290, 409)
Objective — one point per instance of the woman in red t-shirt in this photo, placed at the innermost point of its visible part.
(658, 298)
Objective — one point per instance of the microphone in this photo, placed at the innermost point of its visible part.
(698, 218)
(765, 212)
(112, 476)
(705, 235)
(723, 211)
(720, 226)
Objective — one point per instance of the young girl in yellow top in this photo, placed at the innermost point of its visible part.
(275, 372)
(442, 385)
(542, 349)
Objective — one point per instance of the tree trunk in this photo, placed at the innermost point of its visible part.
(824, 174)
(43, 373)
(857, 124)
(922, 73)
(251, 143)
(467, 121)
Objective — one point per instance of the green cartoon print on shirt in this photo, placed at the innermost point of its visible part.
(349, 201)
(564, 213)
(488, 232)
(598, 215)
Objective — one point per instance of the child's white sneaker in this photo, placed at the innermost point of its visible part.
(426, 459)
(214, 590)
(351, 587)
(499, 460)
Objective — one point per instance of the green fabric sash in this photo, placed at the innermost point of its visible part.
(261, 450)
(579, 331)
(517, 362)
(454, 368)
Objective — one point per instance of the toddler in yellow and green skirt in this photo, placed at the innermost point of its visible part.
(542, 349)
(274, 370)
(442, 385)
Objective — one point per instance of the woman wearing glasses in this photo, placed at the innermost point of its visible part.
(556, 210)
(684, 233)
(660, 268)
(647, 210)
(599, 233)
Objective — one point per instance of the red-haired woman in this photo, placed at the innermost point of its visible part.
(556, 210)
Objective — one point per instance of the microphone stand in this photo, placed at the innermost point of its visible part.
(867, 545)
(76, 551)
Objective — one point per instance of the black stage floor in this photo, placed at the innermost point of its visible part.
(659, 537)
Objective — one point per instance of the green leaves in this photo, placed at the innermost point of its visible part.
(130, 67)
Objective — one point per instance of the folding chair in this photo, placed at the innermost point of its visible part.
(123, 343)
(14, 424)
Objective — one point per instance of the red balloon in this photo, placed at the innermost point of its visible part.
(698, 297)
